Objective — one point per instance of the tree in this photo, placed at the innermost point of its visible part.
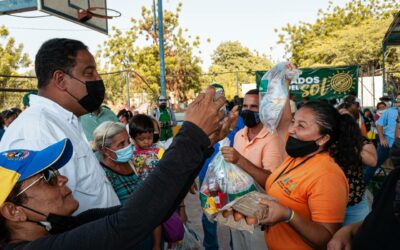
(231, 57)
(12, 59)
(182, 67)
(342, 36)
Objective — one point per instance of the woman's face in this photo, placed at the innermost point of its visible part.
(120, 141)
(47, 198)
(123, 119)
(381, 107)
(304, 127)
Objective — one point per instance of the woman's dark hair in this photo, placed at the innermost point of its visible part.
(140, 124)
(56, 54)
(8, 113)
(344, 105)
(4, 231)
(345, 142)
(380, 103)
(125, 113)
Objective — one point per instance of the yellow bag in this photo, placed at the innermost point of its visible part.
(371, 135)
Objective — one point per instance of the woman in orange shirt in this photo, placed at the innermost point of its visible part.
(310, 187)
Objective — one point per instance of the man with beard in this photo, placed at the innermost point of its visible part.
(256, 150)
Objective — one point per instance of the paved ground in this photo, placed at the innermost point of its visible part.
(194, 213)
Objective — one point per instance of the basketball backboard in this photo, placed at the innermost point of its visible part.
(16, 6)
(69, 9)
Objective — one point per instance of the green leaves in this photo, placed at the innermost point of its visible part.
(121, 52)
(340, 36)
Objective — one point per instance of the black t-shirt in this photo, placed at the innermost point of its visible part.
(381, 228)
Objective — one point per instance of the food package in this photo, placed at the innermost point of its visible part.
(191, 241)
(223, 182)
(244, 212)
(274, 94)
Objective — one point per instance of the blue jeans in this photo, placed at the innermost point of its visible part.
(210, 234)
(383, 154)
(357, 212)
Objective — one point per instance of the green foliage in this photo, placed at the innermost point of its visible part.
(234, 57)
(121, 52)
(12, 59)
(342, 36)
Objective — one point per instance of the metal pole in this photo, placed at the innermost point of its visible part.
(383, 67)
(161, 46)
(373, 83)
(362, 90)
(154, 17)
(127, 89)
(237, 82)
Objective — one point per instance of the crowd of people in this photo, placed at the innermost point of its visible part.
(74, 175)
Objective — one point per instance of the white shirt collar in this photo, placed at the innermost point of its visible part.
(37, 101)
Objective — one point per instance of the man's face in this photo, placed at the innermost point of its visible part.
(84, 70)
(251, 102)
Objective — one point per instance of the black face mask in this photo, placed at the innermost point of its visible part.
(163, 106)
(250, 118)
(298, 148)
(54, 224)
(156, 138)
(95, 94)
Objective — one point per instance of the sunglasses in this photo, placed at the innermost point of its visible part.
(49, 175)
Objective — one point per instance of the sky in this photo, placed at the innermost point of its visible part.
(251, 22)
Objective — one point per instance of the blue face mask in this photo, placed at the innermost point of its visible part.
(124, 154)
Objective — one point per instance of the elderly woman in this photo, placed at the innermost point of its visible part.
(112, 141)
(36, 205)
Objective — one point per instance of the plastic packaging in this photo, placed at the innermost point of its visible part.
(274, 94)
(223, 182)
(250, 212)
(191, 240)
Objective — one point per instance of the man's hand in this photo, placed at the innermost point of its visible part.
(228, 125)
(384, 142)
(231, 155)
(205, 113)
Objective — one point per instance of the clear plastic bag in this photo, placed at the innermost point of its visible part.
(191, 240)
(223, 182)
(274, 94)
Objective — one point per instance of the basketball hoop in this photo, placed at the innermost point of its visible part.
(85, 15)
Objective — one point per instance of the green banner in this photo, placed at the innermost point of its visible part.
(322, 83)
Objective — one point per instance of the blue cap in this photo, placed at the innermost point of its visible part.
(17, 165)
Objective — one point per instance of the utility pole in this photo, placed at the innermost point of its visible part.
(127, 88)
(161, 47)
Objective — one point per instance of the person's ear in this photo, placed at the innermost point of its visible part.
(59, 78)
(12, 212)
(323, 140)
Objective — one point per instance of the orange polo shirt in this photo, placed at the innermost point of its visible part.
(316, 190)
(266, 150)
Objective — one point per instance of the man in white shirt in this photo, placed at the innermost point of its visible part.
(69, 86)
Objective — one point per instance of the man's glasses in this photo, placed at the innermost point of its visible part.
(49, 175)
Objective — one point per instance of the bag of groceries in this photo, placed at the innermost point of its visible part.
(274, 94)
(223, 182)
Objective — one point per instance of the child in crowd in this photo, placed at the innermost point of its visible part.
(146, 151)
(146, 154)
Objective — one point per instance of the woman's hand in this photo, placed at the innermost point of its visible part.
(341, 240)
(273, 212)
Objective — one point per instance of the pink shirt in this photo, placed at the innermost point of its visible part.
(265, 150)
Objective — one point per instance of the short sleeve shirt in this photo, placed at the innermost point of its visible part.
(388, 122)
(316, 190)
(265, 150)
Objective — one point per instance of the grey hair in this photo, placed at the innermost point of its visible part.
(104, 134)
